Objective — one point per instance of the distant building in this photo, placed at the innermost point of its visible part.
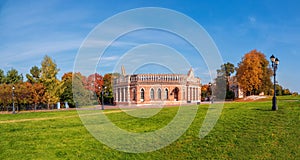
(234, 86)
(165, 89)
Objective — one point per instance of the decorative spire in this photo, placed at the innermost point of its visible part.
(123, 72)
(191, 73)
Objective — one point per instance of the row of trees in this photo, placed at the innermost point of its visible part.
(43, 89)
(42, 86)
(253, 75)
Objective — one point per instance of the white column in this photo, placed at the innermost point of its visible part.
(187, 93)
(124, 96)
(197, 94)
(117, 94)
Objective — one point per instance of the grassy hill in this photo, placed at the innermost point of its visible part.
(244, 130)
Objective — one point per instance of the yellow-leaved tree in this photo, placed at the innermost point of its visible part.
(254, 74)
(54, 87)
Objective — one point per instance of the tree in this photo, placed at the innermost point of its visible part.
(205, 91)
(226, 69)
(107, 82)
(81, 95)
(94, 83)
(53, 86)
(219, 87)
(278, 90)
(13, 77)
(2, 76)
(67, 95)
(35, 75)
(253, 73)
(5, 95)
(38, 95)
(224, 74)
(23, 95)
(286, 92)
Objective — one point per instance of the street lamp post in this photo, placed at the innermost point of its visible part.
(13, 102)
(275, 62)
(210, 91)
(99, 88)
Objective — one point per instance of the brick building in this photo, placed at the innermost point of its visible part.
(163, 89)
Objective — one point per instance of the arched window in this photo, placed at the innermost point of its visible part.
(159, 93)
(197, 96)
(176, 94)
(119, 95)
(126, 94)
(191, 93)
(166, 93)
(142, 94)
(152, 94)
(122, 94)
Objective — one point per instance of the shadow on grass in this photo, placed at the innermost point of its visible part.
(262, 109)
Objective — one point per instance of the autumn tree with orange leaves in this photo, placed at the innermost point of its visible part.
(254, 74)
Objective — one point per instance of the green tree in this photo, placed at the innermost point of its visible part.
(67, 95)
(219, 88)
(107, 82)
(54, 87)
(226, 69)
(223, 75)
(34, 75)
(81, 94)
(279, 90)
(2, 76)
(286, 92)
(13, 77)
(253, 73)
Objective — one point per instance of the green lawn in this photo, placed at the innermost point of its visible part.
(245, 130)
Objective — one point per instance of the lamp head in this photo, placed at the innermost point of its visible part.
(272, 58)
(277, 61)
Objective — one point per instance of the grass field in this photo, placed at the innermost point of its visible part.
(245, 130)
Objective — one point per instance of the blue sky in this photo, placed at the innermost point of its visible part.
(31, 29)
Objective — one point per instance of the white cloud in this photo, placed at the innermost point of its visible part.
(99, 43)
(110, 58)
(27, 50)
